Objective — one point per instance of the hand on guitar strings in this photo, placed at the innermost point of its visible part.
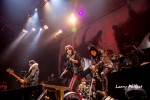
(23, 81)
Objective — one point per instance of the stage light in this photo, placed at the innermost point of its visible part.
(80, 12)
(41, 29)
(24, 31)
(35, 9)
(45, 27)
(33, 29)
(73, 19)
(60, 31)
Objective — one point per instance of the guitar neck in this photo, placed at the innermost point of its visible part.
(24, 82)
(17, 77)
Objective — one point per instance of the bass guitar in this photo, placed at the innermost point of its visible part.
(24, 83)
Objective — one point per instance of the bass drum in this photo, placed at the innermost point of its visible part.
(71, 96)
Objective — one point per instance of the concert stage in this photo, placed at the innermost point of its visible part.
(118, 82)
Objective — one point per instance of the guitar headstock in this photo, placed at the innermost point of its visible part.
(10, 71)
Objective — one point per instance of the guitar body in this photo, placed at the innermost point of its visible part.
(24, 84)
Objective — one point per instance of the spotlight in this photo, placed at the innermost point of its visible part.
(45, 27)
(33, 29)
(80, 12)
(73, 19)
(60, 31)
(35, 9)
(24, 31)
(41, 29)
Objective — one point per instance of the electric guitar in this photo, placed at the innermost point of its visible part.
(10, 71)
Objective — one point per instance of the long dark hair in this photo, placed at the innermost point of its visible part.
(69, 47)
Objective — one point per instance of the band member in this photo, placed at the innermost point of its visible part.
(32, 78)
(100, 65)
(74, 66)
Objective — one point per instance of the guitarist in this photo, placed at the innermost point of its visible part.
(100, 65)
(32, 77)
